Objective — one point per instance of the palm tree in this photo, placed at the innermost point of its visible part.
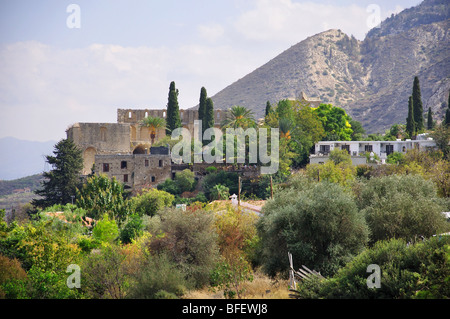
(154, 123)
(239, 116)
(286, 127)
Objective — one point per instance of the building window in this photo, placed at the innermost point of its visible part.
(146, 163)
(368, 148)
(389, 149)
(123, 164)
(325, 149)
(129, 115)
(161, 163)
(346, 147)
(125, 178)
(105, 167)
(153, 179)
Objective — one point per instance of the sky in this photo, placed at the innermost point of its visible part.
(63, 62)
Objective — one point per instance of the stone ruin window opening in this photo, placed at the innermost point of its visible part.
(123, 164)
(105, 167)
(153, 179)
(146, 163)
(125, 178)
(161, 163)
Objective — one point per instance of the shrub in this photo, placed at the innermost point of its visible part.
(105, 230)
(188, 239)
(150, 201)
(133, 229)
(418, 270)
(401, 206)
(318, 223)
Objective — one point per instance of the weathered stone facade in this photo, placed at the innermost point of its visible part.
(128, 141)
(135, 171)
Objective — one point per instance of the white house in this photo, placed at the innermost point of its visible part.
(359, 149)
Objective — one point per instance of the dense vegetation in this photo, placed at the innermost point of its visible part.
(334, 218)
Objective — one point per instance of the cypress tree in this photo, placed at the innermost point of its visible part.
(202, 109)
(417, 103)
(202, 105)
(209, 115)
(268, 108)
(447, 113)
(429, 120)
(410, 125)
(173, 110)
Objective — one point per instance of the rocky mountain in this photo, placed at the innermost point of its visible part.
(370, 79)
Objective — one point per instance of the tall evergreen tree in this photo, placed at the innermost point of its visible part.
(429, 119)
(61, 182)
(209, 115)
(173, 110)
(202, 104)
(418, 107)
(202, 109)
(447, 112)
(410, 124)
(268, 108)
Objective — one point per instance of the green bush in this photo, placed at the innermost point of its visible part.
(419, 270)
(150, 201)
(318, 223)
(188, 240)
(132, 229)
(159, 278)
(402, 206)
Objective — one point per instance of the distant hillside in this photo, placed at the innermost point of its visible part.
(22, 185)
(371, 79)
(20, 158)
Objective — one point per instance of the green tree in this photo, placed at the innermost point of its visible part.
(154, 123)
(318, 223)
(447, 112)
(106, 230)
(150, 201)
(100, 195)
(358, 130)
(189, 241)
(401, 206)
(61, 182)
(335, 121)
(410, 123)
(209, 115)
(430, 123)
(132, 229)
(202, 104)
(239, 116)
(268, 108)
(417, 104)
(173, 110)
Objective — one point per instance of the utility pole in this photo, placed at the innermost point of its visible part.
(271, 187)
(239, 191)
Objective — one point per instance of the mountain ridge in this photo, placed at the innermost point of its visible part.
(370, 79)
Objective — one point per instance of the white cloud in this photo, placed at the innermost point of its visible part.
(211, 33)
(44, 89)
(290, 22)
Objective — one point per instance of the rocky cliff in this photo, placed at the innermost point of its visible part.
(371, 79)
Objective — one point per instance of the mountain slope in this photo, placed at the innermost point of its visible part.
(371, 79)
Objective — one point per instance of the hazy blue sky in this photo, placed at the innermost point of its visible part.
(125, 53)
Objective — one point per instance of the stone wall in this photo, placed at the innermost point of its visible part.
(99, 138)
(136, 171)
